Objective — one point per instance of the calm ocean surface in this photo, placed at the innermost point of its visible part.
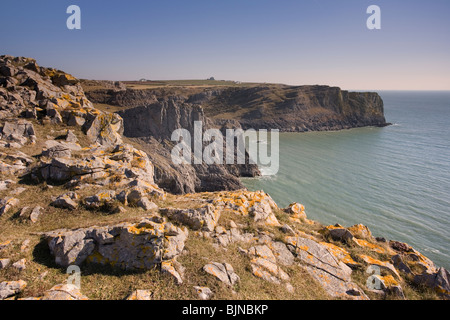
(395, 180)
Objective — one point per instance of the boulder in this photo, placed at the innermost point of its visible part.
(106, 129)
(263, 263)
(101, 199)
(59, 149)
(36, 213)
(222, 271)
(146, 204)
(296, 211)
(20, 265)
(66, 201)
(136, 246)
(338, 233)
(204, 218)
(4, 263)
(20, 131)
(360, 231)
(7, 203)
(11, 288)
(322, 265)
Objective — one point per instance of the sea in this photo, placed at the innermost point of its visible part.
(395, 179)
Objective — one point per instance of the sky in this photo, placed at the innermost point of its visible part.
(278, 41)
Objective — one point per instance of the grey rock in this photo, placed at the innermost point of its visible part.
(105, 129)
(4, 263)
(204, 218)
(129, 246)
(222, 271)
(341, 234)
(71, 137)
(11, 288)
(66, 201)
(36, 213)
(146, 204)
(5, 184)
(333, 275)
(7, 203)
(20, 265)
(204, 293)
(100, 199)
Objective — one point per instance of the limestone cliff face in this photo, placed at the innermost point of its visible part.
(286, 108)
(298, 109)
(151, 127)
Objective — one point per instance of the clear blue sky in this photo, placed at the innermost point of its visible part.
(293, 42)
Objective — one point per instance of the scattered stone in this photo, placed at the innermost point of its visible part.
(20, 265)
(168, 267)
(25, 245)
(204, 218)
(222, 271)
(35, 214)
(339, 233)
(7, 203)
(204, 293)
(360, 231)
(71, 137)
(4, 263)
(24, 212)
(220, 230)
(146, 204)
(100, 199)
(11, 288)
(140, 295)
(66, 201)
(6, 184)
(232, 224)
(5, 245)
(296, 212)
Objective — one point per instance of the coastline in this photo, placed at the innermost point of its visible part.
(79, 193)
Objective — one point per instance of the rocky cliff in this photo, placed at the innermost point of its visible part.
(282, 107)
(151, 115)
(74, 195)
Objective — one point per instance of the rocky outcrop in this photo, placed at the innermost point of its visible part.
(48, 95)
(129, 246)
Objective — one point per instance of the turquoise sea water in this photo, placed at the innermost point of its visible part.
(395, 180)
